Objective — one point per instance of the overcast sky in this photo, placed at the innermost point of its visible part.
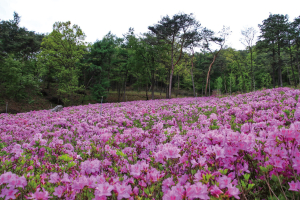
(97, 17)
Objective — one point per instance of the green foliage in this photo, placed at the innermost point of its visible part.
(65, 158)
(61, 52)
(265, 79)
(18, 48)
(99, 91)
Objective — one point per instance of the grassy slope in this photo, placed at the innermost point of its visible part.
(39, 102)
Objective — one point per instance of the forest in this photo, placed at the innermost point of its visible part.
(176, 54)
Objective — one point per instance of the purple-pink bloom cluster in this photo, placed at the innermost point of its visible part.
(187, 148)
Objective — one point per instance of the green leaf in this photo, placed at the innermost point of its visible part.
(65, 158)
(247, 176)
(250, 186)
(243, 184)
(71, 164)
(263, 169)
(274, 178)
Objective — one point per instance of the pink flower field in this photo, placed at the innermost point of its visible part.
(242, 147)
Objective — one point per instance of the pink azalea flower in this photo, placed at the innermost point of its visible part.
(90, 166)
(167, 183)
(224, 181)
(65, 178)
(21, 182)
(100, 179)
(199, 191)
(136, 190)
(296, 162)
(123, 190)
(142, 183)
(44, 195)
(159, 156)
(7, 177)
(103, 189)
(182, 180)
(294, 186)
(100, 198)
(233, 191)
(8, 193)
(215, 191)
(153, 175)
(171, 151)
(54, 178)
(230, 151)
(202, 160)
(179, 190)
(219, 151)
(278, 162)
(80, 183)
(91, 182)
(171, 195)
(58, 191)
(13, 181)
(135, 170)
(198, 176)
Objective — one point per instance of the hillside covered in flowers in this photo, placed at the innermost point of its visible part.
(236, 147)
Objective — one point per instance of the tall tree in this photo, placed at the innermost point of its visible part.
(248, 42)
(273, 32)
(97, 66)
(179, 29)
(62, 50)
(209, 38)
(295, 29)
(18, 49)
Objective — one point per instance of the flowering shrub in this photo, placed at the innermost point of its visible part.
(242, 147)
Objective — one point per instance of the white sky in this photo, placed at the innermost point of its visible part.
(97, 17)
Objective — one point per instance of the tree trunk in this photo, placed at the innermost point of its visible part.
(279, 67)
(193, 83)
(209, 85)
(161, 88)
(167, 92)
(297, 60)
(192, 73)
(225, 84)
(168, 86)
(230, 82)
(294, 77)
(153, 82)
(251, 68)
(124, 87)
(254, 82)
(177, 85)
(147, 91)
(273, 66)
(172, 69)
(119, 91)
(288, 76)
(209, 69)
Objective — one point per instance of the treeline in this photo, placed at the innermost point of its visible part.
(162, 59)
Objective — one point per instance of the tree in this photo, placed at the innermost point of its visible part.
(247, 41)
(180, 29)
(148, 51)
(97, 66)
(18, 49)
(61, 51)
(208, 38)
(273, 33)
(295, 31)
